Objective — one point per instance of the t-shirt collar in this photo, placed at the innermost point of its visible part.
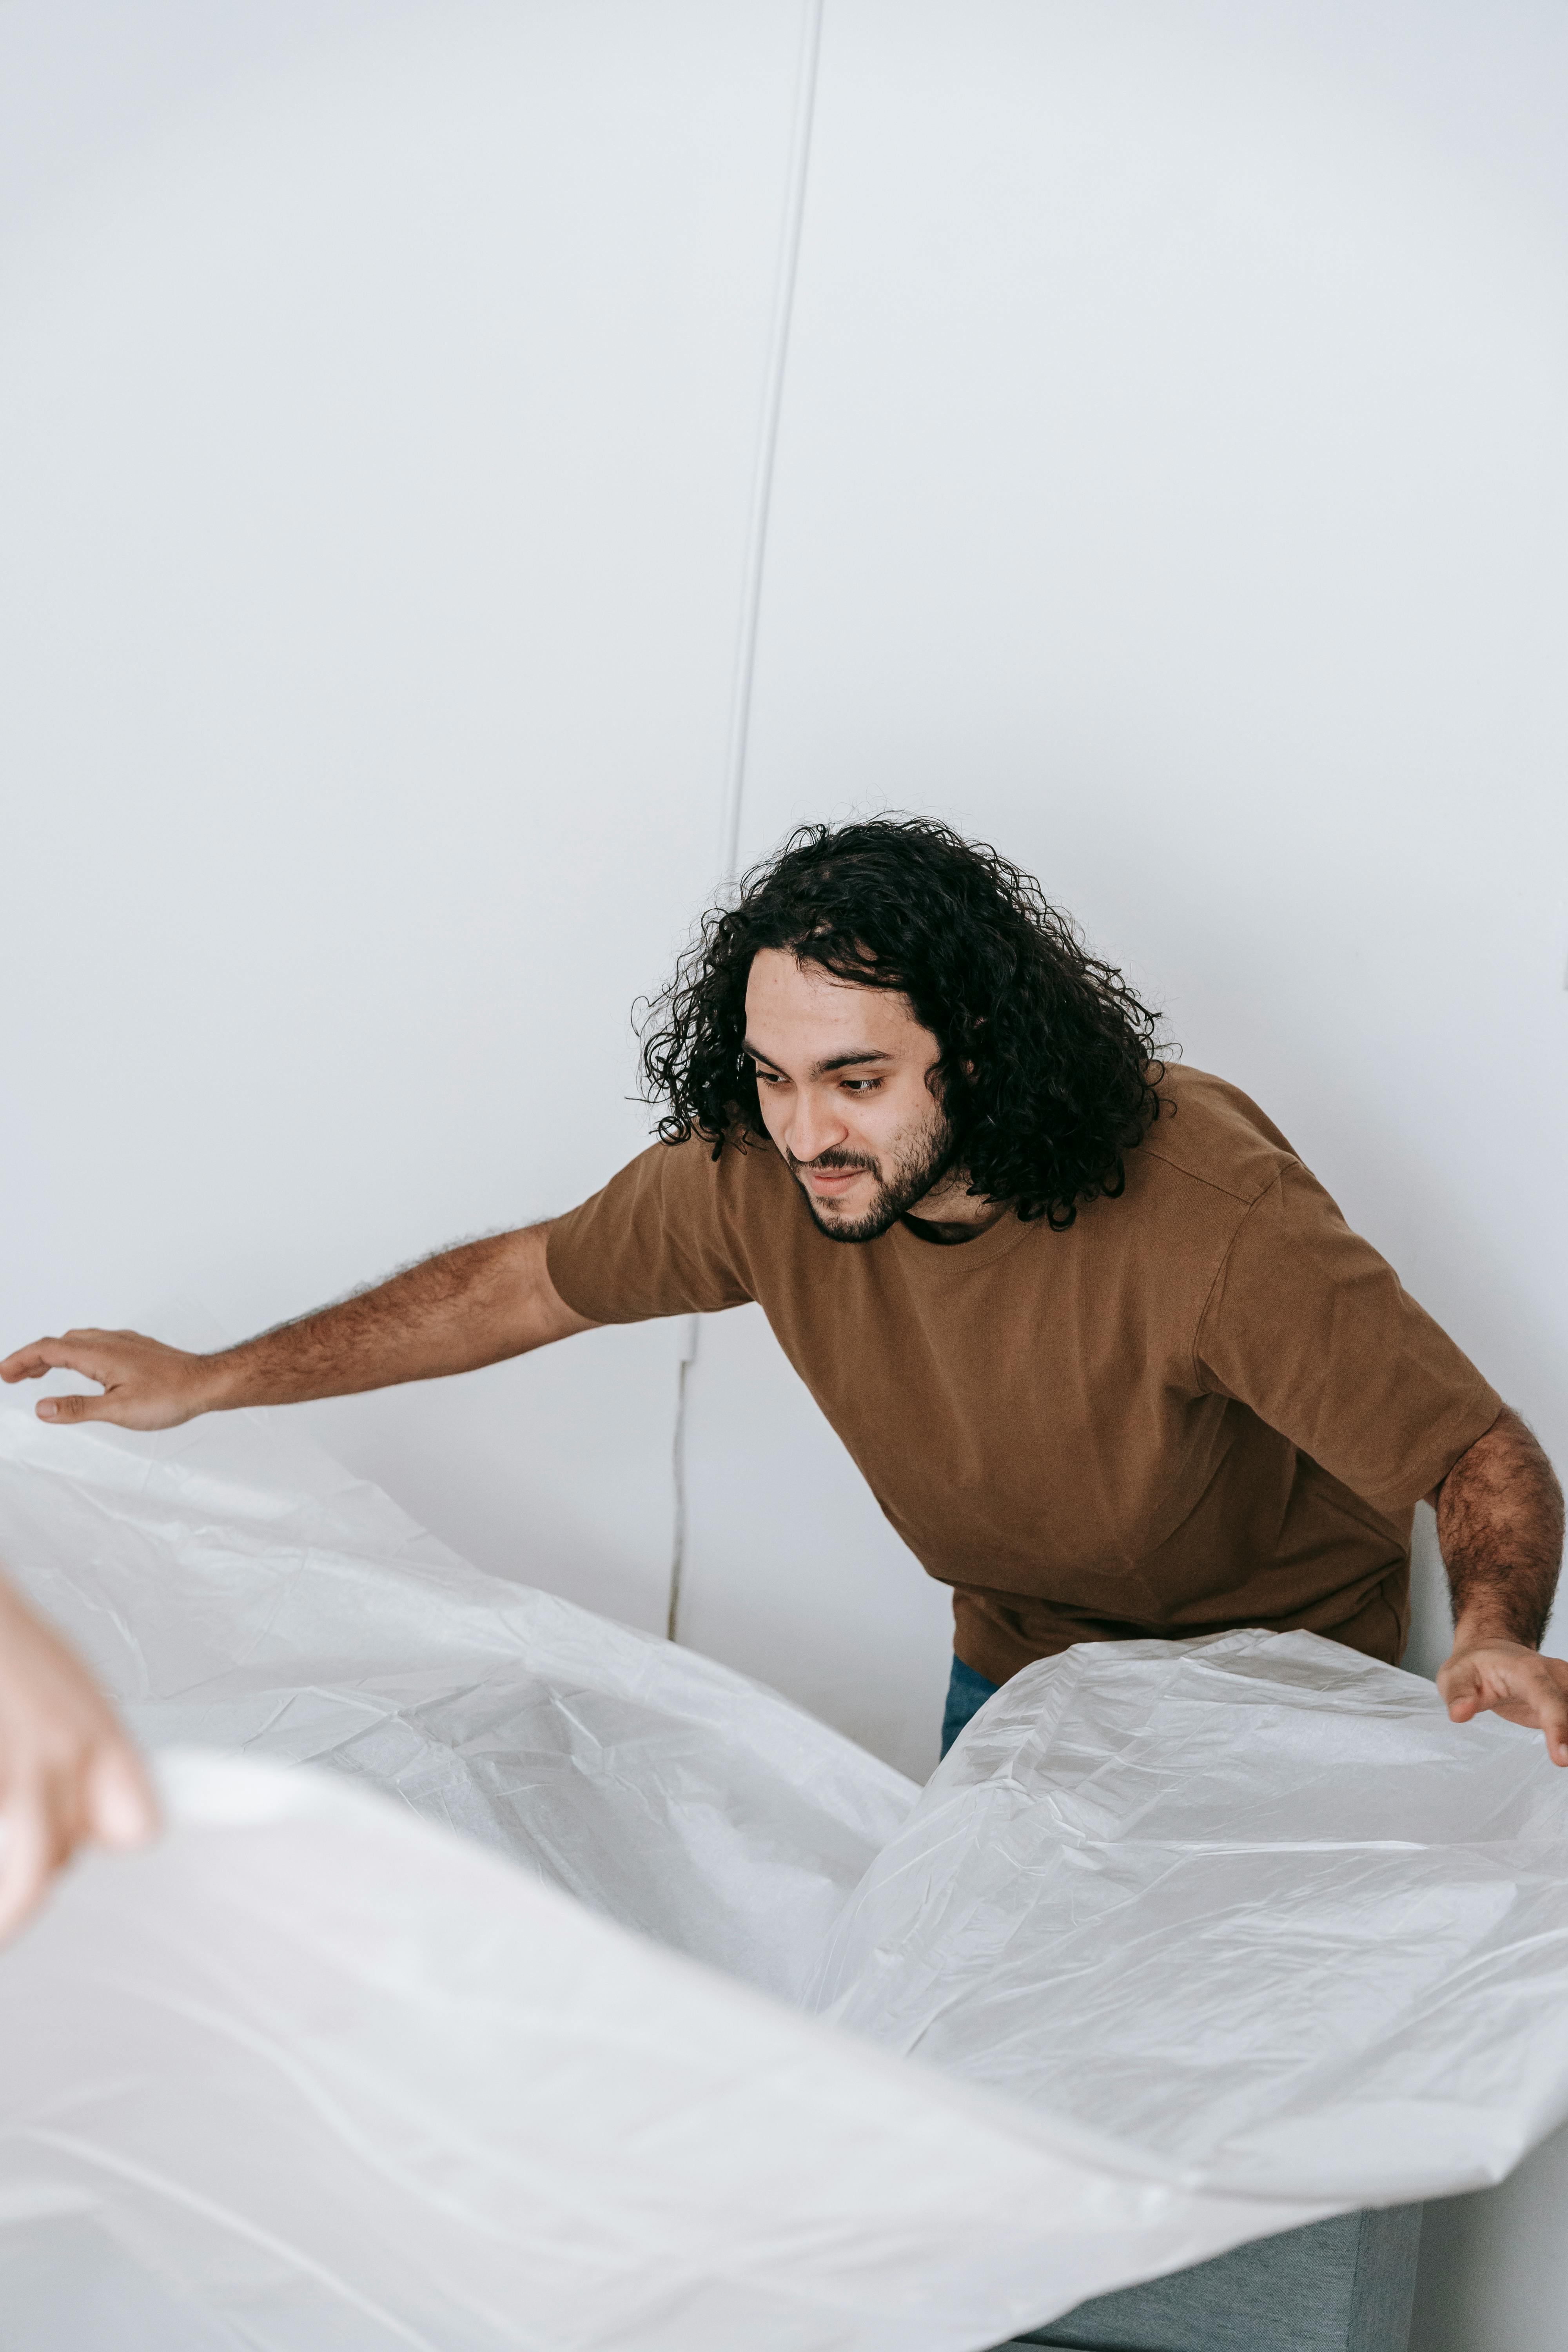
(938, 1259)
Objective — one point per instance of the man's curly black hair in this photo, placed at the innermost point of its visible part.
(1046, 1068)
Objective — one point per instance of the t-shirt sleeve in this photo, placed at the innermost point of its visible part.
(660, 1239)
(1311, 1328)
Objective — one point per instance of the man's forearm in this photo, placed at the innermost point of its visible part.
(1499, 1529)
(452, 1313)
(475, 1305)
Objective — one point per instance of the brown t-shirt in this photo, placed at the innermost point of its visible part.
(1206, 1404)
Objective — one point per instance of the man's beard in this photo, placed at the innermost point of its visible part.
(920, 1163)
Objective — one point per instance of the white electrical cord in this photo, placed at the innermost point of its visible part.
(689, 1328)
(768, 435)
(746, 642)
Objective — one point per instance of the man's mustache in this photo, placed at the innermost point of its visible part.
(826, 1160)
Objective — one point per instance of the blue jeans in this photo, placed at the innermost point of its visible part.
(967, 1693)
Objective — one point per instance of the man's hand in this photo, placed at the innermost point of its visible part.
(1512, 1681)
(145, 1384)
(68, 1773)
(1499, 1528)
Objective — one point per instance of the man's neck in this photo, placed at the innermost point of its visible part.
(950, 1212)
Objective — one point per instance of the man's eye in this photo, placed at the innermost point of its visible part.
(768, 1079)
(861, 1085)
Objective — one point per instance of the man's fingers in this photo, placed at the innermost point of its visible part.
(76, 1351)
(1459, 1685)
(1513, 1682)
(79, 1350)
(30, 1363)
(122, 1810)
(73, 1407)
(1542, 1699)
(47, 1816)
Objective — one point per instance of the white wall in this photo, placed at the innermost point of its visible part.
(1170, 487)
(380, 411)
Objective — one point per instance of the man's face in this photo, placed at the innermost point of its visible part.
(842, 1081)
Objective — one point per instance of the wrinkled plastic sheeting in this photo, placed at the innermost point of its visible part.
(1252, 1904)
(236, 1588)
(1244, 1931)
(313, 2076)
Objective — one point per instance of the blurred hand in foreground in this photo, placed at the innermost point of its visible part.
(68, 1774)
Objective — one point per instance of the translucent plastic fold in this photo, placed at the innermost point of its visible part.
(1184, 1944)
(1253, 1905)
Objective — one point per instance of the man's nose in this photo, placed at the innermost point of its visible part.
(817, 1126)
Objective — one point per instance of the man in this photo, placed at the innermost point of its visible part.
(1111, 1359)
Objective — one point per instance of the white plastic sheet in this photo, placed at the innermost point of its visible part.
(1252, 1904)
(315, 2077)
(1225, 1936)
(236, 1588)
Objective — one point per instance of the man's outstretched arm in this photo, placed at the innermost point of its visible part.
(452, 1313)
(1499, 1528)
